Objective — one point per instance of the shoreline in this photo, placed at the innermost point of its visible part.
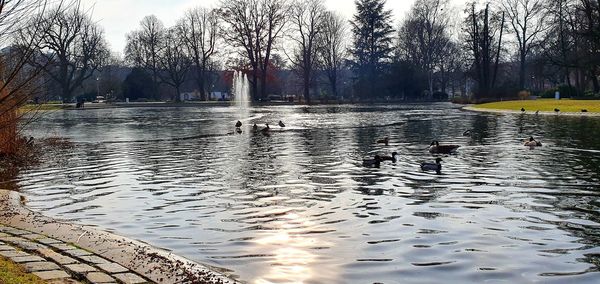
(506, 111)
(155, 264)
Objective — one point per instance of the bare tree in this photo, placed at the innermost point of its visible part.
(71, 49)
(333, 46)
(174, 61)
(424, 36)
(199, 28)
(307, 22)
(19, 80)
(144, 46)
(484, 32)
(527, 20)
(254, 26)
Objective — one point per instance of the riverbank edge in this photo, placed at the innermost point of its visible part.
(158, 265)
(505, 111)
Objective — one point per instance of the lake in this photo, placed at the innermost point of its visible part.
(298, 207)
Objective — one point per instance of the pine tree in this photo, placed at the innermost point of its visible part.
(372, 31)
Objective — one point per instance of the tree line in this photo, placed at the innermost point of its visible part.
(492, 50)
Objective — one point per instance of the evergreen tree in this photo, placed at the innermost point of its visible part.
(372, 32)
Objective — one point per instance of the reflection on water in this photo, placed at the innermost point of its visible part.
(297, 207)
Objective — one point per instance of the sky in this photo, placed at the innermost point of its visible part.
(119, 17)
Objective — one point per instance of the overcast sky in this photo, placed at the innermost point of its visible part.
(118, 17)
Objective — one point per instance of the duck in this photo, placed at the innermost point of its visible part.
(532, 143)
(281, 124)
(372, 163)
(522, 109)
(390, 158)
(584, 110)
(238, 124)
(385, 141)
(433, 167)
(467, 132)
(266, 129)
(255, 127)
(436, 148)
(556, 110)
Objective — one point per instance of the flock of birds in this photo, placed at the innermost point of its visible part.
(434, 148)
(556, 110)
(264, 130)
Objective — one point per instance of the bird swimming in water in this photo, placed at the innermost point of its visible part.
(584, 110)
(436, 148)
(522, 109)
(433, 167)
(556, 110)
(255, 127)
(372, 163)
(238, 124)
(238, 130)
(266, 129)
(532, 143)
(467, 132)
(281, 124)
(390, 158)
(385, 141)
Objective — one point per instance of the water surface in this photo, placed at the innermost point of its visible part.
(297, 207)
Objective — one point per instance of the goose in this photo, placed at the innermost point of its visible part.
(238, 124)
(281, 124)
(532, 143)
(467, 132)
(522, 109)
(436, 148)
(372, 163)
(537, 112)
(556, 110)
(433, 167)
(390, 158)
(385, 141)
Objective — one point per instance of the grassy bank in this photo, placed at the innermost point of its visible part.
(544, 105)
(41, 107)
(11, 273)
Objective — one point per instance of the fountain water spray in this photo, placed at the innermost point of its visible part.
(241, 91)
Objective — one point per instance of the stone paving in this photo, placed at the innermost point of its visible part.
(74, 253)
(59, 262)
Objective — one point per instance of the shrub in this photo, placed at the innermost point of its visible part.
(523, 95)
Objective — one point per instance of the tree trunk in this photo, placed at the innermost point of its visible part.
(307, 86)
(263, 84)
(522, 69)
(595, 81)
(254, 83)
(200, 81)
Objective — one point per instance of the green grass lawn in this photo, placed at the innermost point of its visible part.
(11, 273)
(564, 105)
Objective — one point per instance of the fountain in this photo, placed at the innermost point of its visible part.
(241, 91)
